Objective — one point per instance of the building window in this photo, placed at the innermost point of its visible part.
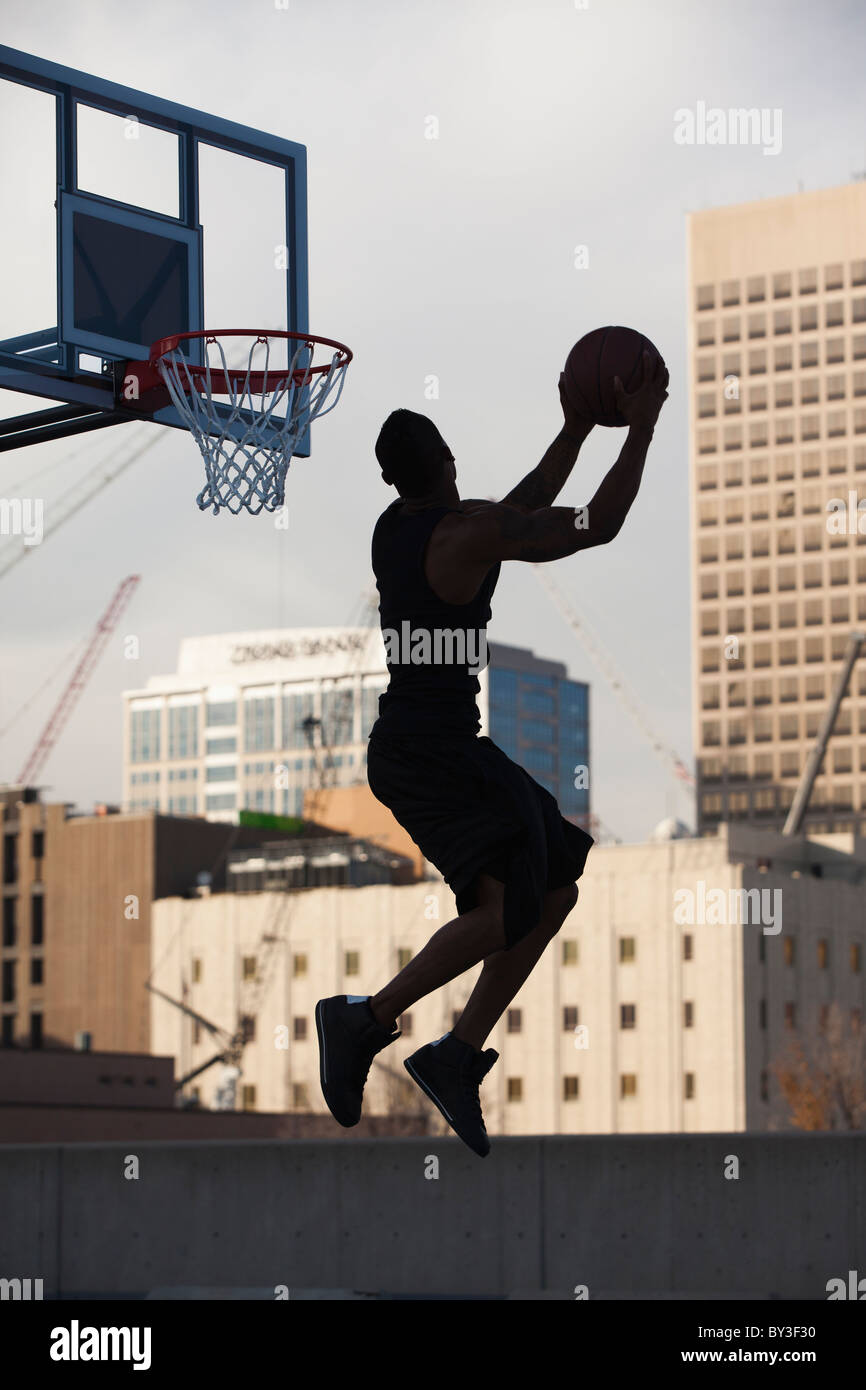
(196, 1032)
(248, 1097)
(183, 731)
(9, 924)
(36, 1030)
(514, 1089)
(225, 772)
(299, 1029)
(627, 1085)
(627, 949)
(259, 723)
(514, 1021)
(789, 948)
(854, 957)
(570, 1087)
(144, 740)
(196, 970)
(790, 1015)
(762, 1013)
(628, 1015)
(297, 707)
(249, 968)
(7, 1031)
(352, 963)
(569, 953)
(299, 964)
(823, 955)
(300, 1095)
(404, 1023)
(37, 976)
(37, 919)
(37, 844)
(8, 988)
(688, 946)
(221, 745)
(248, 1028)
(569, 1018)
(219, 713)
(688, 1014)
(404, 955)
(689, 1091)
(765, 1086)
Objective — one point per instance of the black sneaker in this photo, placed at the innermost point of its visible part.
(449, 1072)
(349, 1038)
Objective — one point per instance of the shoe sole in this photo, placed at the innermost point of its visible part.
(419, 1080)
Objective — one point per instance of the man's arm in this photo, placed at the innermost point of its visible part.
(542, 486)
(464, 546)
(503, 532)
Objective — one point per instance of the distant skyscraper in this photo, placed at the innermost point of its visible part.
(777, 293)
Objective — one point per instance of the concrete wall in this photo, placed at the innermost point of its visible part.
(651, 1216)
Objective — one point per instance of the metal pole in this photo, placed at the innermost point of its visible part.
(816, 757)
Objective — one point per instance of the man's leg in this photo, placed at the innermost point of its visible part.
(505, 972)
(451, 950)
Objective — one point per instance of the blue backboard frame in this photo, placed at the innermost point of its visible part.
(44, 362)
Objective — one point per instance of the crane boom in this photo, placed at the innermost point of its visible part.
(794, 823)
(80, 676)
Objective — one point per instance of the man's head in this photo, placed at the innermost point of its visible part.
(413, 456)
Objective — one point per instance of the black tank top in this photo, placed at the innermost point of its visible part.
(433, 649)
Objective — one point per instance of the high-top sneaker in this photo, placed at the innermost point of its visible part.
(349, 1038)
(449, 1072)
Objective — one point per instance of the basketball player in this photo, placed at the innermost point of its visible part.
(497, 837)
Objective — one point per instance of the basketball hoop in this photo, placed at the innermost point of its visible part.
(247, 420)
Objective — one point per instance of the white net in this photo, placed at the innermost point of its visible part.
(247, 420)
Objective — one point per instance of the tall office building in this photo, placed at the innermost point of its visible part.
(250, 721)
(778, 462)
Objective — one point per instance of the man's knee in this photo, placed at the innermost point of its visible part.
(558, 903)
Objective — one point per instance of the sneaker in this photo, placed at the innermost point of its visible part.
(349, 1038)
(449, 1072)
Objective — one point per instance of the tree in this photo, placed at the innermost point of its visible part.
(822, 1076)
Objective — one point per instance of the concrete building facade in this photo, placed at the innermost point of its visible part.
(77, 895)
(649, 1012)
(777, 351)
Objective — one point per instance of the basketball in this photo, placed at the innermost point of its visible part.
(595, 361)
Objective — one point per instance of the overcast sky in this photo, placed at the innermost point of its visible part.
(450, 257)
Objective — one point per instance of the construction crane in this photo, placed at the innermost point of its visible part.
(614, 679)
(799, 805)
(80, 676)
(78, 496)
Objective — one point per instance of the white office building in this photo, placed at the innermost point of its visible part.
(250, 720)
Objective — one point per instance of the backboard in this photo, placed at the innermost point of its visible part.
(129, 218)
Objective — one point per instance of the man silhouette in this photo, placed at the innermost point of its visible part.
(497, 837)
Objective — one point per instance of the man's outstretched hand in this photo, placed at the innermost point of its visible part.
(641, 407)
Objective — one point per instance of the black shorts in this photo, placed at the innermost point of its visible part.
(471, 810)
